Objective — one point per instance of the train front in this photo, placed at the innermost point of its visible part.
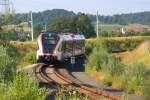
(47, 43)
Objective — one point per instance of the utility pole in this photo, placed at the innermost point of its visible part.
(32, 30)
(97, 26)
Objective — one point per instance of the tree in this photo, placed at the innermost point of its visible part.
(84, 26)
(76, 24)
(1, 28)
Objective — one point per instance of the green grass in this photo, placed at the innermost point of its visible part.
(109, 27)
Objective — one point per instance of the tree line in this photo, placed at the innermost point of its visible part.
(49, 15)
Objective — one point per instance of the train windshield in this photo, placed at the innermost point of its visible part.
(48, 43)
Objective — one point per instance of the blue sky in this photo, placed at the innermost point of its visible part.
(105, 7)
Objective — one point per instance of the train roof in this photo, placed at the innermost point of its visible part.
(68, 36)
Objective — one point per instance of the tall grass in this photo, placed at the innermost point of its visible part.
(30, 57)
(7, 65)
(100, 59)
(134, 75)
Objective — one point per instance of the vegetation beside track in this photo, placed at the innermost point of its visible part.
(113, 72)
(14, 86)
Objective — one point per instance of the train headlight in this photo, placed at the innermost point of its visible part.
(55, 52)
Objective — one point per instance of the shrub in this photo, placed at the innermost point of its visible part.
(30, 57)
(99, 57)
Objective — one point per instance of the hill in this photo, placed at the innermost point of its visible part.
(45, 17)
(41, 18)
(131, 18)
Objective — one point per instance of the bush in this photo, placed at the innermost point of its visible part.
(99, 57)
(7, 66)
(30, 57)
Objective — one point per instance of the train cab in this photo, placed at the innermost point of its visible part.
(60, 47)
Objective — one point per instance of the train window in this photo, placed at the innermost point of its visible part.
(49, 40)
(48, 43)
(69, 48)
(79, 47)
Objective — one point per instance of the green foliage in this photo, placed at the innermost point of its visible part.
(22, 88)
(7, 35)
(3, 91)
(7, 65)
(77, 24)
(48, 15)
(109, 27)
(99, 57)
(126, 44)
(146, 88)
(114, 67)
(39, 17)
(30, 57)
(1, 28)
(134, 75)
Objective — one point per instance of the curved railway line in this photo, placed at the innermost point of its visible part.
(60, 76)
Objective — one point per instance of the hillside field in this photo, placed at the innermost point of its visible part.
(110, 27)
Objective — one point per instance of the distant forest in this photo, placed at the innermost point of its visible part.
(42, 18)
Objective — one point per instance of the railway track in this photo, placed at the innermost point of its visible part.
(61, 76)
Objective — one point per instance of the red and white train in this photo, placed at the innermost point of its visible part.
(60, 47)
